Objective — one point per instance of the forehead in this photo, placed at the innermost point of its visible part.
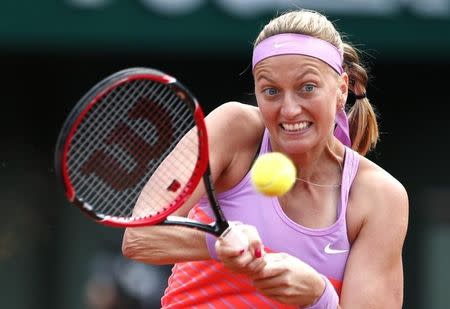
(285, 64)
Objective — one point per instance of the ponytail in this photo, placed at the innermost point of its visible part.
(362, 117)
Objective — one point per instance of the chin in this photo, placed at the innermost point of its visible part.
(296, 147)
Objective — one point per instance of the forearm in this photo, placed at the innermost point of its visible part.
(328, 299)
(164, 244)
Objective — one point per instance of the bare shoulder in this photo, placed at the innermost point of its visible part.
(377, 222)
(377, 199)
(234, 133)
(382, 185)
(237, 113)
(235, 121)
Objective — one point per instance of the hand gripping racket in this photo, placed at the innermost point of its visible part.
(133, 150)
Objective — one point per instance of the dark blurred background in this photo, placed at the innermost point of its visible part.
(51, 52)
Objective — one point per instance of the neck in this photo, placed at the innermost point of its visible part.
(320, 168)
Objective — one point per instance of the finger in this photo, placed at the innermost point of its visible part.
(270, 270)
(255, 266)
(276, 258)
(268, 281)
(234, 236)
(237, 262)
(244, 264)
(223, 249)
(255, 244)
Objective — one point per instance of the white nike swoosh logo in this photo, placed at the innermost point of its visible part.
(278, 45)
(329, 250)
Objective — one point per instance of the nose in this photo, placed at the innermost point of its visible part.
(291, 106)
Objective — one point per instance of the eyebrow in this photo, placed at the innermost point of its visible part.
(309, 70)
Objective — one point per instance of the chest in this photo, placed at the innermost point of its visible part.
(312, 208)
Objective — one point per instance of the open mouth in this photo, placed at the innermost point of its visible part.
(296, 127)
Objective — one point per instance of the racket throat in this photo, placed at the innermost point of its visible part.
(221, 223)
(183, 221)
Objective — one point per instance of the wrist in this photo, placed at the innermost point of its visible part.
(210, 244)
(328, 299)
(319, 288)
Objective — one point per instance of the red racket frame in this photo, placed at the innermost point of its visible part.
(201, 168)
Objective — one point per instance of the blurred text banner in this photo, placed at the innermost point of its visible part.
(411, 27)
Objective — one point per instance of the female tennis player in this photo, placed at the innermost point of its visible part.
(335, 239)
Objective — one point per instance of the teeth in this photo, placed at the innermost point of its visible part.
(296, 126)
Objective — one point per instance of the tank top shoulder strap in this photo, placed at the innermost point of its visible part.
(265, 144)
(351, 163)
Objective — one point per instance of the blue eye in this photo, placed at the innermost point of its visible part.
(270, 91)
(309, 88)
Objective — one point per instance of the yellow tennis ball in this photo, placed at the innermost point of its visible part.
(273, 174)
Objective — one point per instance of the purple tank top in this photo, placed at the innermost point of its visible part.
(325, 249)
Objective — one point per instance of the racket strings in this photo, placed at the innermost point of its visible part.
(178, 132)
(103, 122)
(178, 166)
(129, 162)
(125, 211)
(100, 124)
(112, 115)
(174, 174)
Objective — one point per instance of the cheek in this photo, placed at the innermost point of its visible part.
(267, 113)
(331, 116)
(266, 108)
(326, 111)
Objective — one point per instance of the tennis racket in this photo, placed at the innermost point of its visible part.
(133, 150)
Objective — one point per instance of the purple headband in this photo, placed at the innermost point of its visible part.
(342, 130)
(300, 44)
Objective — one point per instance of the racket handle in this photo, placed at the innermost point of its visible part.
(235, 237)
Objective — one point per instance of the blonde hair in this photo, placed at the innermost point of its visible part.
(362, 117)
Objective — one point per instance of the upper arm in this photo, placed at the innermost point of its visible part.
(162, 244)
(374, 272)
(224, 130)
(230, 127)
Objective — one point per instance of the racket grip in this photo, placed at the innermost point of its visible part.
(235, 237)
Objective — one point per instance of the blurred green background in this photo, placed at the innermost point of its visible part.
(51, 52)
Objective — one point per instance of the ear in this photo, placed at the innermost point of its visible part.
(342, 90)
